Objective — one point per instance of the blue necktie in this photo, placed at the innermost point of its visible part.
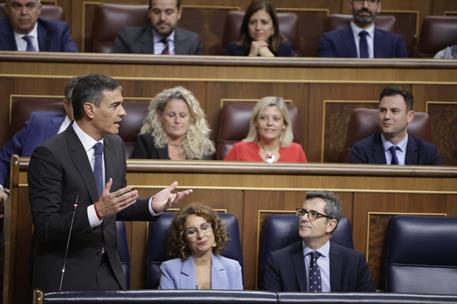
(363, 44)
(98, 167)
(393, 151)
(30, 47)
(315, 281)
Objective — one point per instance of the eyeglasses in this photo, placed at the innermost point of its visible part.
(191, 232)
(312, 214)
(371, 2)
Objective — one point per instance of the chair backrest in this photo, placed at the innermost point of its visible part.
(157, 244)
(234, 125)
(421, 255)
(52, 12)
(437, 32)
(288, 26)
(337, 21)
(364, 122)
(281, 230)
(123, 250)
(110, 19)
(130, 126)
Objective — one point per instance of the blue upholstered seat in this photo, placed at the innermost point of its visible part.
(156, 247)
(281, 230)
(421, 255)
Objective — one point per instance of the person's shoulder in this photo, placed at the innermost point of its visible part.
(227, 261)
(51, 24)
(342, 250)
(182, 32)
(386, 34)
(288, 250)
(421, 143)
(367, 141)
(337, 32)
(295, 146)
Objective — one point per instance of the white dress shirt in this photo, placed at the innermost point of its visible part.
(22, 44)
(159, 46)
(401, 151)
(370, 38)
(323, 262)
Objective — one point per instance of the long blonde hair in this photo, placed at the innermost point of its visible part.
(287, 135)
(196, 143)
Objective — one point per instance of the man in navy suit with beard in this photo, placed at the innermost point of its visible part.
(316, 264)
(362, 39)
(24, 30)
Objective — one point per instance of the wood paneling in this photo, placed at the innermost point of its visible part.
(250, 191)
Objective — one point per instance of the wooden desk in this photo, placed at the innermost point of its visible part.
(324, 90)
(251, 191)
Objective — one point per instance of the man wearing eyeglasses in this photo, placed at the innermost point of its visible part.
(316, 264)
(24, 30)
(361, 39)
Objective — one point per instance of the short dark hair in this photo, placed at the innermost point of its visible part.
(90, 88)
(333, 205)
(178, 3)
(68, 91)
(394, 90)
(245, 39)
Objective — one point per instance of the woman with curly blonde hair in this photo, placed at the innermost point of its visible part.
(175, 128)
(196, 239)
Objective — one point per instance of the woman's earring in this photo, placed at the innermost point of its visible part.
(214, 245)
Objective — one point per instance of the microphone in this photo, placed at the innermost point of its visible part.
(75, 205)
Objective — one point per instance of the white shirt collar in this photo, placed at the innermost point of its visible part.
(324, 250)
(158, 38)
(87, 141)
(387, 144)
(21, 44)
(356, 29)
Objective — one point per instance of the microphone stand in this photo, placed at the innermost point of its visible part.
(75, 205)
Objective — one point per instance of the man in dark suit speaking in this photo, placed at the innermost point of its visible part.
(317, 264)
(361, 39)
(393, 145)
(24, 30)
(77, 185)
(162, 36)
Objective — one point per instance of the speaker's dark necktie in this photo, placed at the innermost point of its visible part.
(363, 44)
(29, 47)
(98, 167)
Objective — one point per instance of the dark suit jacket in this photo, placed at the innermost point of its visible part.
(233, 49)
(285, 270)
(145, 149)
(340, 43)
(371, 151)
(40, 126)
(58, 171)
(53, 36)
(140, 40)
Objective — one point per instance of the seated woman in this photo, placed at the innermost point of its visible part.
(270, 135)
(175, 128)
(259, 34)
(196, 238)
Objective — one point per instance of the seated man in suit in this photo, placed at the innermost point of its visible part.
(316, 264)
(394, 145)
(362, 39)
(162, 36)
(24, 30)
(40, 126)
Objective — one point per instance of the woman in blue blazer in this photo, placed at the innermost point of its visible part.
(197, 237)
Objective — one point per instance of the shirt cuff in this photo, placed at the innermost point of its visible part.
(93, 218)
(153, 213)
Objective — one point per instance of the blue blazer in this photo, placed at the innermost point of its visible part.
(370, 150)
(179, 274)
(40, 126)
(340, 43)
(53, 36)
(285, 270)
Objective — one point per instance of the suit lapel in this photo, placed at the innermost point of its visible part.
(298, 263)
(411, 151)
(43, 39)
(349, 42)
(180, 43)
(378, 49)
(187, 276)
(79, 158)
(336, 269)
(378, 150)
(147, 41)
(218, 274)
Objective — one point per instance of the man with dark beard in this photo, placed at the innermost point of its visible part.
(362, 39)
